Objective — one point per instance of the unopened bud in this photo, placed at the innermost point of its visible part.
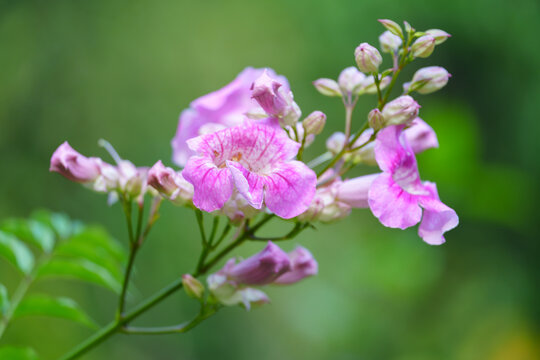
(439, 35)
(376, 119)
(389, 42)
(367, 58)
(392, 26)
(429, 79)
(192, 286)
(350, 80)
(401, 110)
(423, 46)
(327, 87)
(314, 123)
(408, 28)
(335, 142)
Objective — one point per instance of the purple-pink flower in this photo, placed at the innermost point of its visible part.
(74, 166)
(257, 161)
(397, 196)
(225, 107)
(303, 265)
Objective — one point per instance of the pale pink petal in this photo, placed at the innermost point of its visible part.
(437, 219)
(389, 151)
(354, 192)
(290, 189)
(212, 186)
(421, 136)
(393, 206)
(249, 185)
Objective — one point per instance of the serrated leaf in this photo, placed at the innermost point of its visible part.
(17, 353)
(60, 223)
(16, 252)
(43, 305)
(80, 269)
(4, 299)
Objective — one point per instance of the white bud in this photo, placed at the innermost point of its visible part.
(350, 80)
(429, 79)
(367, 58)
(389, 42)
(314, 123)
(423, 46)
(439, 35)
(327, 87)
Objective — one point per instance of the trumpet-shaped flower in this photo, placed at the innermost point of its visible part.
(303, 265)
(225, 107)
(255, 160)
(170, 184)
(397, 196)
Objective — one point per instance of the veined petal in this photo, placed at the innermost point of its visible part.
(389, 152)
(438, 218)
(249, 185)
(393, 206)
(212, 186)
(421, 136)
(290, 189)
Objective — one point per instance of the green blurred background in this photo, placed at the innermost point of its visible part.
(123, 70)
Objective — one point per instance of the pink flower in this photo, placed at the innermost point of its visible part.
(397, 196)
(302, 265)
(254, 159)
(225, 107)
(275, 99)
(74, 166)
(421, 136)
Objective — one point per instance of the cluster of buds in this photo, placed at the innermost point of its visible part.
(235, 283)
(351, 82)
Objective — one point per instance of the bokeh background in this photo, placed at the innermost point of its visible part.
(123, 71)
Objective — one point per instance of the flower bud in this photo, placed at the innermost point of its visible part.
(229, 294)
(192, 286)
(367, 58)
(392, 26)
(74, 166)
(275, 100)
(401, 110)
(369, 87)
(439, 35)
(350, 80)
(260, 269)
(327, 87)
(376, 119)
(324, 207)
(314, 123)
(354, 192)
(335, 142)
(170, 183)
(390, 43)
(302, 265)
(429, 79)
(423, 46)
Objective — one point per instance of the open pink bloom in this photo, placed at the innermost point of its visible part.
(302, 265)
(397, 196)
(254, 159)
(225, 107)
(74, 166)
(275, 99)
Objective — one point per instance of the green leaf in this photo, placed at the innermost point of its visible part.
(17, 353)
(4, 299)
(60, 223)
(80, 269)
(30, 231)
(43, 305)
(16, 252)
(96, 237)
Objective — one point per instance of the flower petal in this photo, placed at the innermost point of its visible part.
(438, 218)
(206, 178)
(290, 189)
(393, 206)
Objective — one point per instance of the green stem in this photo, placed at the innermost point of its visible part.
(298, 228)
(127, 275)
(164, 293)
(14, 303)
(199, 216)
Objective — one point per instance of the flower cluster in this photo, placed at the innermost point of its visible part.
(241, 152)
